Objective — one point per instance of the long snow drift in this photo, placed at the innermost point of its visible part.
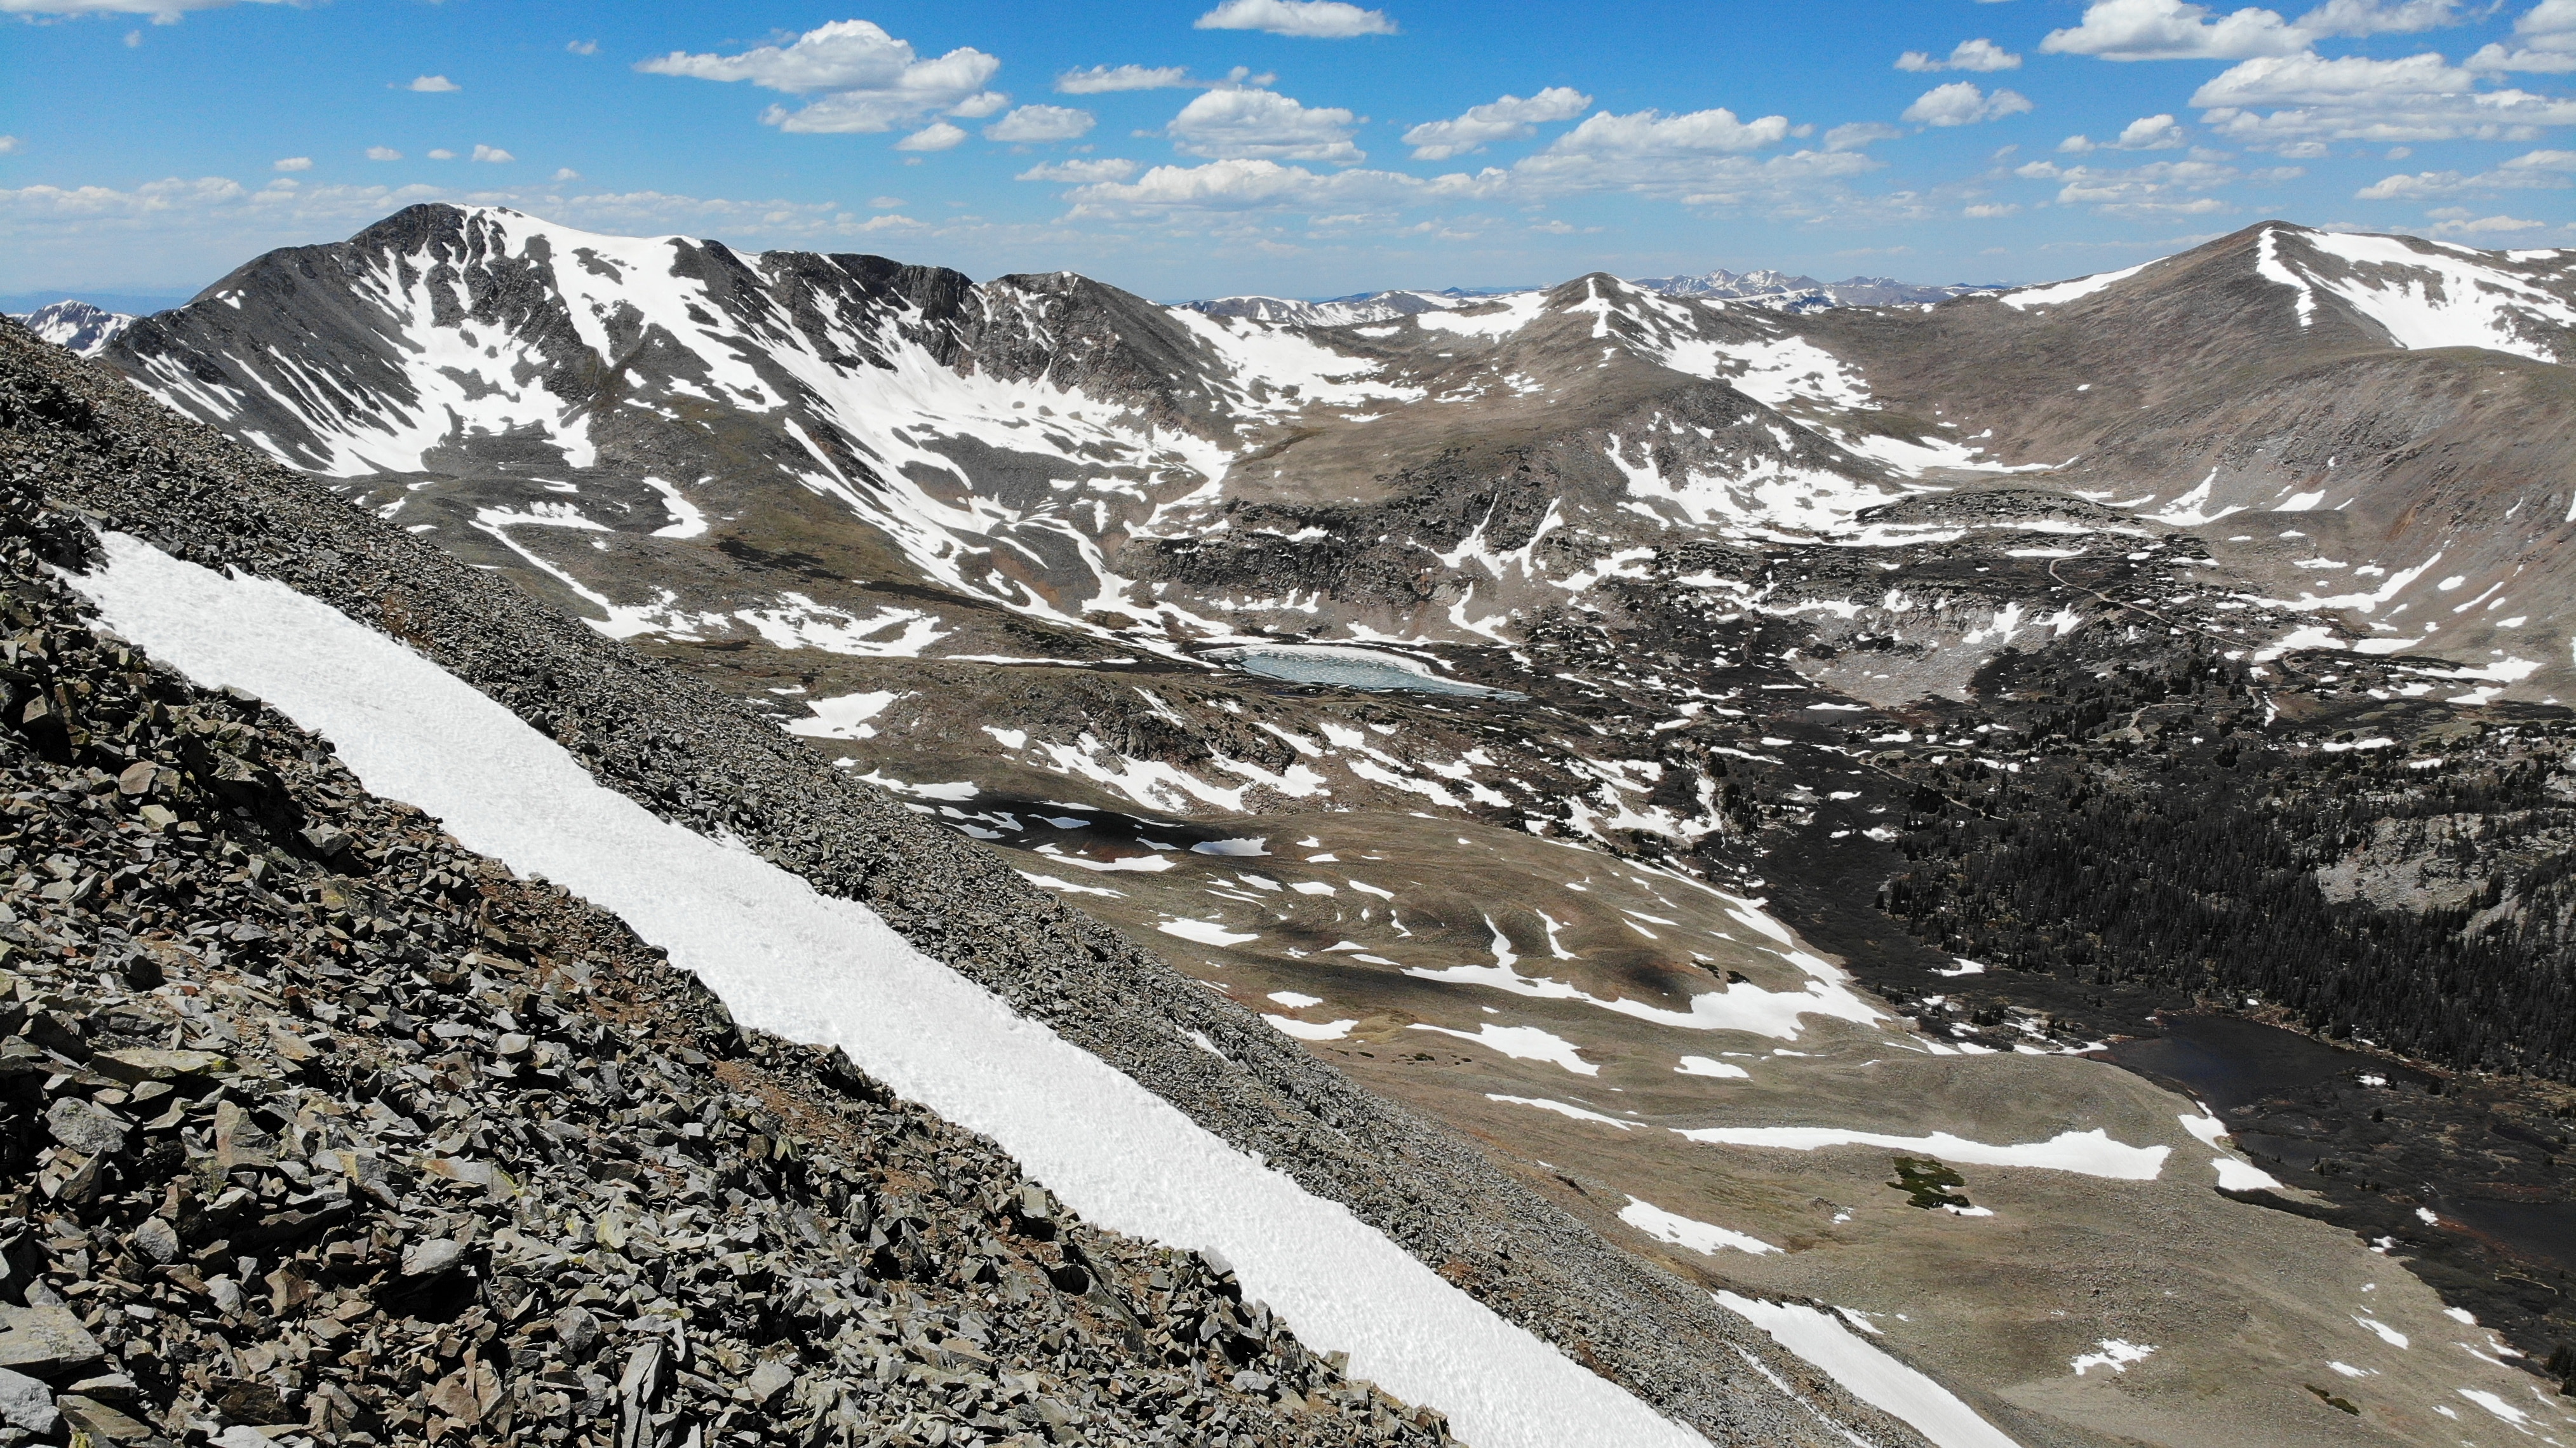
(822, 970)
(1872, 1375)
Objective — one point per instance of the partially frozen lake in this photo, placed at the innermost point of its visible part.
(1346, 667)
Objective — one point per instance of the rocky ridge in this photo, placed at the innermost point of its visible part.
(320, 1128)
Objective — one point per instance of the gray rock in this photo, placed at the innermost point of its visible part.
(157, 1239)
(85, 1127)
(769, 1380)
(107, 1388)
(27, 1404)
(646, 1377)
(46, 1342)
(430, 1258)
(577, 1330)
(101, 1422)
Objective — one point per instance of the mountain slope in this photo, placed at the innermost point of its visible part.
(670, 744)
(314, 1076)
(2381, 423)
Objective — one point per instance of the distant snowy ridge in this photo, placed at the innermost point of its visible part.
(76, 325)
(1339, 311)
(1774, 290)
(1781, 292)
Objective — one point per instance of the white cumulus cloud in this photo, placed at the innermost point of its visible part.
(1978, 55)
(2488, 226)
(293, 163)
(1100, 79)
(1230, 125)
(1652, 133)
(2281, 101)
(432, 84)
(2380, 17)
(582, 47)
(1856, 134)
(1961, 103)
(2174, 30)
(441, 153)
(1246, 185)
(10, 145)
(2146, 133)
(937, 136)
(383, 153)
(2179, 30)
(2159, 188)
(1031, 124)
(1508, 119)
(2534, 170)
(2544, 41)
(1083, 173)
(1310, 19)
(493, 154)
(861, 78)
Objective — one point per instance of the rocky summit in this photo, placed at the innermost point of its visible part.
(1941, 864)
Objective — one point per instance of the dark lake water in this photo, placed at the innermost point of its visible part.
(2546, 1230)
(2229, 1063)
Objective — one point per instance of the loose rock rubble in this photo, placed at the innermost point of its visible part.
(316, 1128)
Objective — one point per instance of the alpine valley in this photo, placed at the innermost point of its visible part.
(1864, 860)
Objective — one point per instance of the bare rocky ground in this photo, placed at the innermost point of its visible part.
(320, 1129)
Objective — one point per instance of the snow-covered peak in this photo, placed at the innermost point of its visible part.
(76, 326)
(2427, 294)
(1724, 283)
(2413, 292)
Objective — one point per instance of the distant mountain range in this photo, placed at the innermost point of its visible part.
(76, 326)
(1783, 292)
(1776, 290)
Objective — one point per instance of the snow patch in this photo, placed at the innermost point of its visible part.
(1682, 1231)
(1871, 1375)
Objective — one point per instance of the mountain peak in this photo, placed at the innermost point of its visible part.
(77, 326)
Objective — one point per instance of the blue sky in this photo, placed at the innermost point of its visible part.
(1296, 147)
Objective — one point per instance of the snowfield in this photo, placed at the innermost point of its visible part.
(1873, 1376)
(828, 971)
